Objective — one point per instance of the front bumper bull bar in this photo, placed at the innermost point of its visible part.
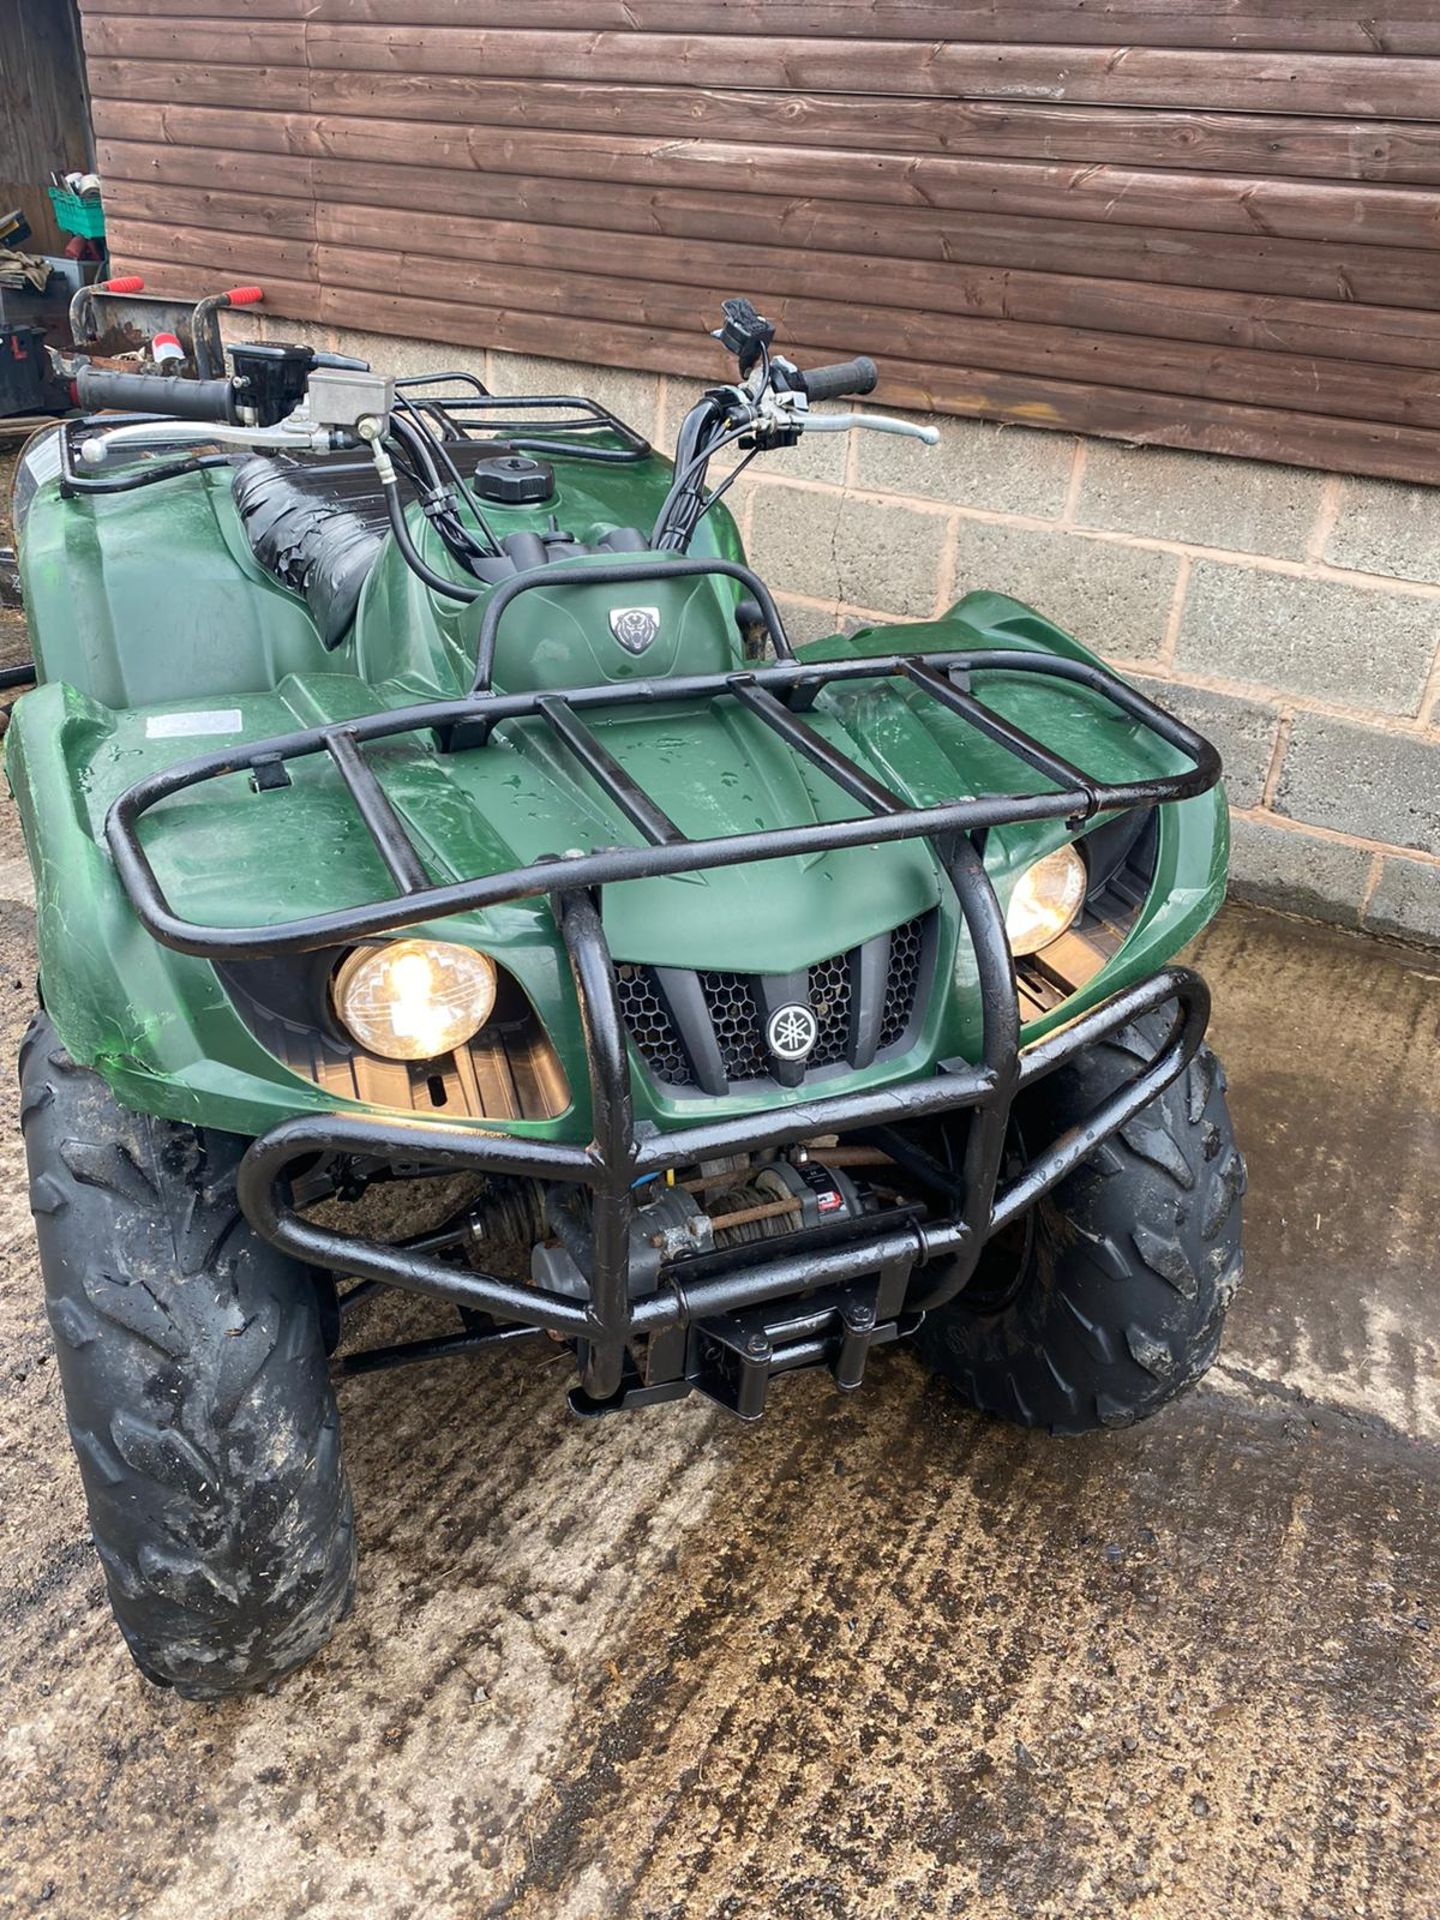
(864, 1248)
(782, 696)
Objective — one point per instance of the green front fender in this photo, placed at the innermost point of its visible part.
(159, 1028)
(157, 1025)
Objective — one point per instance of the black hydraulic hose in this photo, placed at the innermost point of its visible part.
(418, 447)
(20, 675)
(718, 493)
(690, 465)
(421, 444)
(144, 476)
(438, 449)
(703, 420)
(72, 483)
(422, 570)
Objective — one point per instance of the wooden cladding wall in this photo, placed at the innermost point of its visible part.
(1206, 223)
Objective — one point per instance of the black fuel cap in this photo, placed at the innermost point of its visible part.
(513, 480)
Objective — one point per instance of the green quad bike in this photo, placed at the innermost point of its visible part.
(418, 783)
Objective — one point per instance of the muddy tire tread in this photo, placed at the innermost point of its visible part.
(1138, 1258)
(195, 1386)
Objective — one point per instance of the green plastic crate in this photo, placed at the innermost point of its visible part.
(85, 217)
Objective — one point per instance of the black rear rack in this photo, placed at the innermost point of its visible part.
(458, 418)
(687, 1327)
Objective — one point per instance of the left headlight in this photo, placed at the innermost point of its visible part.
(414, 999)
(1046, 900)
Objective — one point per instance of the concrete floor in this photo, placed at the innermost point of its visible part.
(876, 1656)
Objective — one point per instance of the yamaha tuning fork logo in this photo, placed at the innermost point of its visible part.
(791, 1032)
(636, 628)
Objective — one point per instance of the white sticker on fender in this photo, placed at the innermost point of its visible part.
(182, 726)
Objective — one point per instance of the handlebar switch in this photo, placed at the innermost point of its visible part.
(744, 332)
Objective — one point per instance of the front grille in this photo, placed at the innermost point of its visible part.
(907, 953)
(651, 1027)
(830, 1003)
(663, 1025)
(735, 1016)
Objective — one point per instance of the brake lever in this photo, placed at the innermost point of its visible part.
(871, 422)
(300, 437)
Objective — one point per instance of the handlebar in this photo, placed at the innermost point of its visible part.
(102, 389)
(846, 377)
(80, 308)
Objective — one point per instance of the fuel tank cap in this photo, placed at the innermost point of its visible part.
(514, 480)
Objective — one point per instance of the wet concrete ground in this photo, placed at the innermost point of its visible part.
(876, 1656)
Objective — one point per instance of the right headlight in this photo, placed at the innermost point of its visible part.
(1046, 900)
(414, 999)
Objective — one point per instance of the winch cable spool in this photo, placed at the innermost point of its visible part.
(717, 1207)
(776, 1200)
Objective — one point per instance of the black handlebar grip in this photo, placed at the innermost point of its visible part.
(99, 387)
(833, 383)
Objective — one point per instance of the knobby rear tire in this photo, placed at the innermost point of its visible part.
(195, 1384)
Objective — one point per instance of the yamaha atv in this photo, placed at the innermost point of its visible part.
(420, 787)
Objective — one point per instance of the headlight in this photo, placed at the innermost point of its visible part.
(414, 999)
(1047, 899)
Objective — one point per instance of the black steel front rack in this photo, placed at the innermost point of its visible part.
(778, 694)
(686, 1320)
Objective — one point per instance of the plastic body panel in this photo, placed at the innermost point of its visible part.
(152, 618)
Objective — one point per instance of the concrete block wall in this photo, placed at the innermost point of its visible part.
(1293, 616)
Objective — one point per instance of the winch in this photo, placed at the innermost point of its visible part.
(722, 1204)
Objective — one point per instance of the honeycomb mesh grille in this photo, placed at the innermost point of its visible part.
(830, 1003)
(907, 950)
(735, 1015)
(734, 1006)
(651, 1028)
